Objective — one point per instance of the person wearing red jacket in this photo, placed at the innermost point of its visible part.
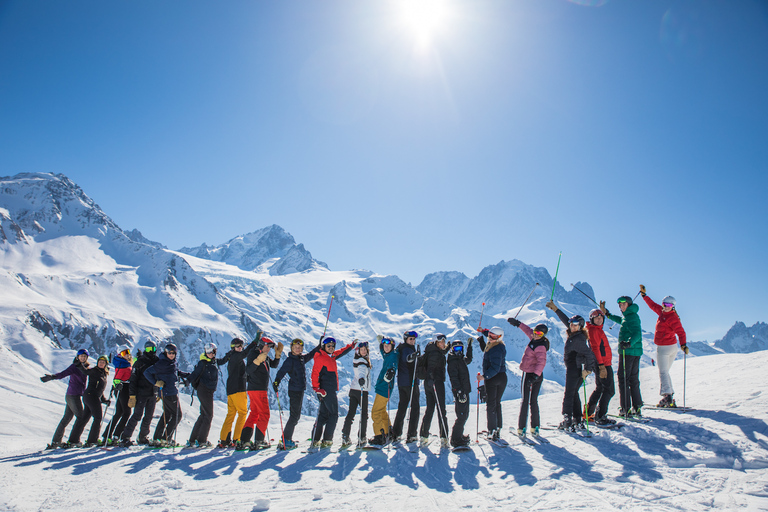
(669, 330)
(597, 406)
(532, 365)
(325, 382)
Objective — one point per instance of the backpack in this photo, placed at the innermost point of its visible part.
(421, 367)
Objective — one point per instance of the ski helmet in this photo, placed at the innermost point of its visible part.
(625, 298)
(496, 331)
(210, 348)
(457, 347)
(410, 334)
(150, 346)
(236, 342)
(170, 348)
(103, 358)
(297, 341)
(577, 319)
(83, 351)
(594, 314)
(439, 337)
(329, 341)
(123, 348)
(669, 300)
(542, 328)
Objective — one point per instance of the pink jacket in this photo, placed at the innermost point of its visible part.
(535, 355)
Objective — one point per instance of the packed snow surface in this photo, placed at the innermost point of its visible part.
(715, 456)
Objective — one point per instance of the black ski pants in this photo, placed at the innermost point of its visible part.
(73, 409)
(571, 400)
(531, 388)
(629, 382)
(327, 417)
(356, 398)
(91, 409)
(462, 414)
(494, 389)
(601, 396)
(203, 424)
(169, 419)
(409, 398)
(296, 399)
(145, 408)
(122, 413)
(435, 394)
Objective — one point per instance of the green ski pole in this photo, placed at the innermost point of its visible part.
(556, 272)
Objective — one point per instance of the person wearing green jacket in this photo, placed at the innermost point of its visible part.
(383, 388)
(630, 351)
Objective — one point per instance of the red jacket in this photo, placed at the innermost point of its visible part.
(599, 344)
(667, 326)
(325, 374)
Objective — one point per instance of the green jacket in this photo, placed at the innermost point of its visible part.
(630, 330)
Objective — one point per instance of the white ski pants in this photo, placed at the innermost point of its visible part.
(665, 356)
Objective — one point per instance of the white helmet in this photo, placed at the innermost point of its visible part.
(123, 348)
(497, 331)
(210, 348)
(669, 300)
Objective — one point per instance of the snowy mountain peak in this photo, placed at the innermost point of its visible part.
(743, 339)
(270, 248)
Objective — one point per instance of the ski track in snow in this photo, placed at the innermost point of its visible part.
(715, 456)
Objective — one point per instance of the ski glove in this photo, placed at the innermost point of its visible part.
(603, 372)
(514, 321)
(275, 385)
(551, 305)
(642, 290)
(46, 377)
(624, 345)
(469, 341)
(160, 384)
(389, 375)
(602, 308)
(379, 337)
(483, 394)
(484, 332)
(685, 349)
(118, 385)
(585, 374)
(411, 357)
(361, 381)
(132, 401)
(321, 394)
(461, 397)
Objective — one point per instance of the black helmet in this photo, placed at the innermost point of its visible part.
(236, 342)
(542, 327)
(171, 348)
(577, 319)
(625, 298)
(150, 346)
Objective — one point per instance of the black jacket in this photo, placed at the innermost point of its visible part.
(258, 374)
(577, 350)
(235, 361)
(206, 373)
(458, 371)
(138, 385)
(404, 368)
(435, 362)
(295, 367)
(97, 380)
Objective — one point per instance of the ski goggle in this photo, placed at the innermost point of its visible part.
(440, 338)
(411, 334)
(457, 349)
(386, 341)
(297, 342)
(621, 301)
(494, 336)
(538, 333)
(169, 352)
(150, 349)
(667, 304)
(363, 344)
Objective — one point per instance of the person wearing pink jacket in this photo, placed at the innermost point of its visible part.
(668, 331)
(532, 364)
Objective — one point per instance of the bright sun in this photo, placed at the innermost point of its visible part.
(424, 18)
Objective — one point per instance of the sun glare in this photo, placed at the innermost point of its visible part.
(424, 18)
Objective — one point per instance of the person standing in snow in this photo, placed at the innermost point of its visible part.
(141, 396)
(458, 372)
(122, 363)
(257, 372)
(164, 375)
(204, 379)
(630, 352)
(600, 398)
(74, 395)
(92, 400)
(325, 383)
(494, 376)
(384, 385)
(358, 395)
(532, 365)
(237, 396)
(295, 367)
(668, 331)
(434, 388)
(579, 362)
(408, 387)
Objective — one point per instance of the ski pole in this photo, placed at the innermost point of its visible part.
(328, 317)
(526, 300)
(685, 371)
(586, 408)
(481, 318)
(584, 294)
(280, 408)
(626, 398)
(413, 388)
(113, 416)
(554, 283)
(477, 425)
(442, 424)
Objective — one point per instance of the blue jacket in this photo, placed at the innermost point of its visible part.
(295, 367)
(207, 372)
(384, 388)
(167, 371)
(494, 359)
(404, 368)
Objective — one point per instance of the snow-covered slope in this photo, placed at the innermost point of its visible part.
(713, 457)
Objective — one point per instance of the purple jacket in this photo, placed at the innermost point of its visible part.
(76, 379)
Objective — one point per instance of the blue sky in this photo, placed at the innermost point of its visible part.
(632, 136)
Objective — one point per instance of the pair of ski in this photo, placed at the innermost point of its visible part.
(529, 440)
(584, 434)
(631, 419)
(672, 409)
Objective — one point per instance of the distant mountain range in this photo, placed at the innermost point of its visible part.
(70, 277)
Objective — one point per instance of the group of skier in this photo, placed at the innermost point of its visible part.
(150, 379)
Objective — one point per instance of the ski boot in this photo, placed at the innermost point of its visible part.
(636, 412)
(345, 441)
(521, 432)
(444, 442)
(567, 424)
(535, 431)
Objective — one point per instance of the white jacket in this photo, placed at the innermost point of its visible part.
(362, 371)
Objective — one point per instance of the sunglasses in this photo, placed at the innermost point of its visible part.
(667, 305)
(171, 352)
